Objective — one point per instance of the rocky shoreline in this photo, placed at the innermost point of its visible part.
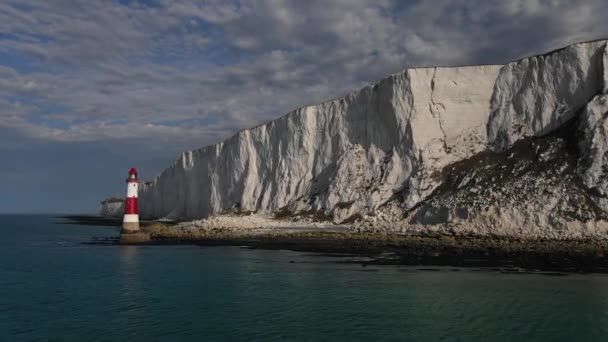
(585, 256)
(502, 253)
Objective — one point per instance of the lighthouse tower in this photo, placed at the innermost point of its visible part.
(130, 222)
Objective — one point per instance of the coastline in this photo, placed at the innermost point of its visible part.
(94, 220)
(513, 255)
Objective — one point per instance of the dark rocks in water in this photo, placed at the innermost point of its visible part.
(92, 220)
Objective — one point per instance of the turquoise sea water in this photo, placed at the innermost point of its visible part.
(54, 288)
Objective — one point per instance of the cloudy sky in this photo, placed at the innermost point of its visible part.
(90, 88)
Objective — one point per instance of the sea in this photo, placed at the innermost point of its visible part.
(56, 287)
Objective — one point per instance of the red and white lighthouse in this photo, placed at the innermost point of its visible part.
(130, 222)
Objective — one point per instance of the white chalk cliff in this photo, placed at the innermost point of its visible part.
(386, 150)
(112, 207)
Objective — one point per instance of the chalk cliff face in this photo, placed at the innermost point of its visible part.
(112, 207)
(342, 157)
(392, 144)
(536, 95)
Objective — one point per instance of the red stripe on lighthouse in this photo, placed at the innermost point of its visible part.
(131, 206)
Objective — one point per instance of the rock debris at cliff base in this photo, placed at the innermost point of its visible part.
(534, 189)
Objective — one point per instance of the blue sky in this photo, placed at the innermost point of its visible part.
(90, 88)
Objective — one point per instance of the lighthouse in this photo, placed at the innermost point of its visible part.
(130, 233)
(130, 222)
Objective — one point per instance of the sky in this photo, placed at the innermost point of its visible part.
(89, 89)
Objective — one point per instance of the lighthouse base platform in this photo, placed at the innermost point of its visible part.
(130, 227)
(133, 238)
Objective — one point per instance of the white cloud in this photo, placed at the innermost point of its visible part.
(103, 66)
